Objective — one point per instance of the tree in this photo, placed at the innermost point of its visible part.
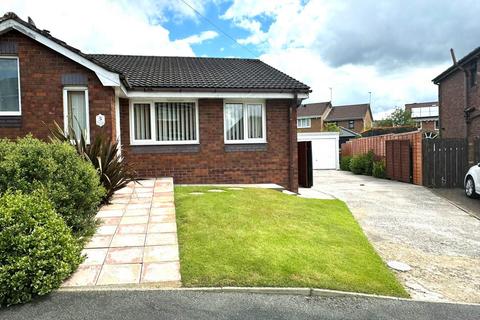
(331, 127)
(398, 118)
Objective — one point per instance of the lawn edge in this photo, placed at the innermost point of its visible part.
(293, 291)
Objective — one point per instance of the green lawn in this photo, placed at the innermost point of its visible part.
(256, 237)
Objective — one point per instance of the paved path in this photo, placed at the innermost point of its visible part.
(137, 241)
(140, 305)
(411, 224)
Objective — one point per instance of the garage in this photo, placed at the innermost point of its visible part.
(324, 149)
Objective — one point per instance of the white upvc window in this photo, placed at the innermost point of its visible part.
(303, 123)
(163, 122)
(10, 99)
(76, 111)
(244, 122)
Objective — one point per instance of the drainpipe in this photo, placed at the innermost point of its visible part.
(292, 134)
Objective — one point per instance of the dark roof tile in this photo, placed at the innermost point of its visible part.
(199, 73)
(313, 109)
(348, 112)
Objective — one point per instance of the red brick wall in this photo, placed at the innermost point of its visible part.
(377, 145)
(212, 164)
(452, 104)
(41, 71)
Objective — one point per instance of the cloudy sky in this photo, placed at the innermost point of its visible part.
(392, 48)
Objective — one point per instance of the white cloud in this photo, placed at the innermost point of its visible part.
(105, 26)
(199, 38)
(295, 43)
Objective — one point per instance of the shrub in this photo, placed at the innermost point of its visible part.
(362, 163)
(72, 183)
(357, 164)
(379, 170)
(104, 154)
(345, 163)
(37, 249)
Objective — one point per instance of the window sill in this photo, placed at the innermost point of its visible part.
(10, 121)
(245, 142)
(246, 147)
(164, 148)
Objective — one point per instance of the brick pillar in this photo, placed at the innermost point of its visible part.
(293, 163)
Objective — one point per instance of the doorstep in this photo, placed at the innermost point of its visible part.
(136, 243)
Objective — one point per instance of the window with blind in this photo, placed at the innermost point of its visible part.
(164, 123)
(244, 123)
(9, 86)
(75, 100)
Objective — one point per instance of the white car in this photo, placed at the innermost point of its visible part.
(472, 182)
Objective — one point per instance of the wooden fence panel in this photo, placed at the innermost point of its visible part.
(445, 162)
(398, 160)
(377, 144)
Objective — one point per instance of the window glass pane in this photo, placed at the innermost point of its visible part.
(77, 113)
(234, 121)
(9, 85)
(255, 124)
(141, 114)
(176, 121)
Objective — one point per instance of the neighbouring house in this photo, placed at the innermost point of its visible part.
(311, 116)
(198, 120)
(355, 117)
(425, 115)
(459, 98)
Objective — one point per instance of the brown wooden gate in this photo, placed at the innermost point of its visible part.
(398, 160)
(305, 169)
(445, 162)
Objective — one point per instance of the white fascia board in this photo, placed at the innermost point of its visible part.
(107, 78)
(219, 95)
(310, 136)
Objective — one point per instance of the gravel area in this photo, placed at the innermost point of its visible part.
(412, 224)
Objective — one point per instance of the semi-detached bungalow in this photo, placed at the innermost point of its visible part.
(199, 120)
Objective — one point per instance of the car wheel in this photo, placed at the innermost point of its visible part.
(470, 188)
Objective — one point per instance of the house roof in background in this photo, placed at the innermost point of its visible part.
(348, 112)
(184, 73)
(313, 109)
(346, 133)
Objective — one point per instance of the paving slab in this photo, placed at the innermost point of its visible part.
(136, 242)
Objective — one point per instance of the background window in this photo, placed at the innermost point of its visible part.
(351, 124)
(244, 123)
(141, 118)
(175, 121)
(77, 112)
(304, 123)
(9, 89)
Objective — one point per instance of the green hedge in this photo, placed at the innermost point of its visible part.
(73, 184)
(37, 249)
(362, 164)
(379, 170)
(345, 163)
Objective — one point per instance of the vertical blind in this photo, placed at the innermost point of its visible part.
(234, 121)
(141, 114)
(255, 123)
(240, 118)
(176, 121)
(9, 85)
(77, 112)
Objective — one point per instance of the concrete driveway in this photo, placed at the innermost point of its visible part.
(411, 224)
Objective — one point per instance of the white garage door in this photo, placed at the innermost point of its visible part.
(324, 154)
(324, 149)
